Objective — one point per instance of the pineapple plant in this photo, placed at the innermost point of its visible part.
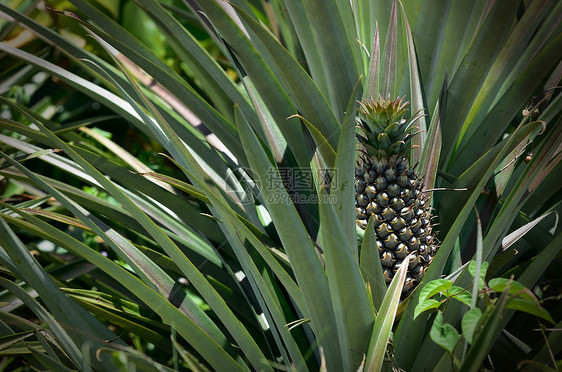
(390, 192)
(131, 131)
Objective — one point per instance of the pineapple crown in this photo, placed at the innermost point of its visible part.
(385, 131)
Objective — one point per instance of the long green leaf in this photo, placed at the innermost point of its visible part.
(145, 268)
(305, 94)
(14, 338)
(215, 81)
(267, 86)
(371, 266)
(520, 92)
(416, 97)
(83, 324)
(384, 321)
(475, 63)
(483, 341)
(120, 39)
(168, 312)
(342, 187)
(352, 307)
(302, 255)
(48, 362)
(218, 304)
(332, 25)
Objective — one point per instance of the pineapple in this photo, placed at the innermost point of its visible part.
(390, 192)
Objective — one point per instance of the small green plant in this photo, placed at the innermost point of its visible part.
(495, 297)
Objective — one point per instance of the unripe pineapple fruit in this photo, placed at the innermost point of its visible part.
(390, 192)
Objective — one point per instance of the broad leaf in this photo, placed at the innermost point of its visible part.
(482, 276)
(469, 323)
(530, 307)
(428, 304)
(513, 286)
(444, 335)
(461, 294)
(434, 287)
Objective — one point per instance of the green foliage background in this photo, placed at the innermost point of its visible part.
(132, 134)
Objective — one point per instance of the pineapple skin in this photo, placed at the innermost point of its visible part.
(390, 192)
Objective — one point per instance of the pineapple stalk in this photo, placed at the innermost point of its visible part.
(388, 190)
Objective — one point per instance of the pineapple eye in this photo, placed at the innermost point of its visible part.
(388, 214)
(370, 177)
(381, 184)
(415, 225)
(414, 244)
(393, 190)
(362, 200)
(381, 164)
(401, 251)
(371, 192)
(405, 233)
(387, 258)
(360, 213)
(408, 284)
(398, 223)
(397, 265)
(404, 193)
(383, 199)
(383, 231)
(417, 272)
(407, 213)
(373, 208)
(391, 241)
(427, 239)
(403, 180)
(387, 274)
(397, 204)
(390, 175)
(414, 261)
(360, 186)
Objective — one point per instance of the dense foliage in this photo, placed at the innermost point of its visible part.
(178, 188)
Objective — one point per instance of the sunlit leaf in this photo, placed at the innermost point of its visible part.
(434, 287)
(501, 284)
(461, 294)
(428, 304)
